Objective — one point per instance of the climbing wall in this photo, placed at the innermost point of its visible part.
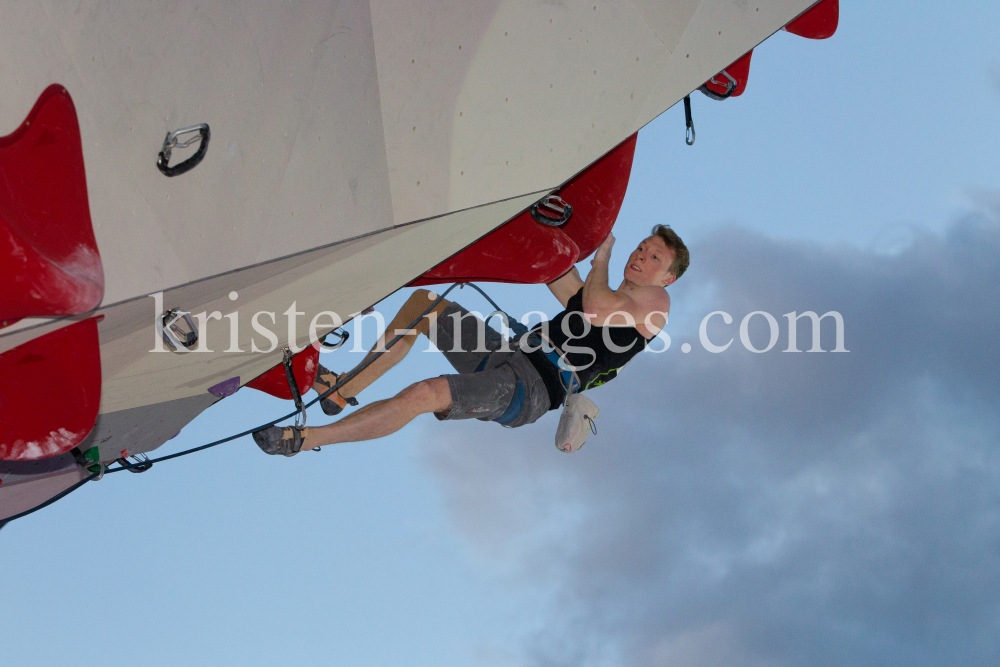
(354, 148)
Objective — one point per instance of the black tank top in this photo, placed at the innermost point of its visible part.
(585, 347)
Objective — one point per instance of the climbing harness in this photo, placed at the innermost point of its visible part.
(567, 371)
(515, 407)
(579, 412)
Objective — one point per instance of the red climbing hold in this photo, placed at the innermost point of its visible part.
(49, 263)
(37, 423)
(818, 22)
(520, 251)
(305, 365)
(597, 194)
(523, 250)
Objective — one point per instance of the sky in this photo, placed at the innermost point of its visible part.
(733, 509)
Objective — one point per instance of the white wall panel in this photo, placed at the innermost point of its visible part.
(273, 80)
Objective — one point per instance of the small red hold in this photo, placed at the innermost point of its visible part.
(818, 22)
(124, 453)
(305, 365)
(738, 72)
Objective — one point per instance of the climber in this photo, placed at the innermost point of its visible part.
(597, 333)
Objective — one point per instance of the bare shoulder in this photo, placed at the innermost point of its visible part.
(653, 306)
(652, 299)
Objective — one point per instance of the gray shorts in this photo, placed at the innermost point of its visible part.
(491, 383)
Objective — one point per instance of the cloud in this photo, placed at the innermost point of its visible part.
(768, 509)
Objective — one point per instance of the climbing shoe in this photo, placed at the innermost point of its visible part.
(334, 403)
(286, 440)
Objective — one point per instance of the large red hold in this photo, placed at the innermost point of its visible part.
(520, 251)
(597, 194)
(523, 250)
(49, 263)
(50, 392)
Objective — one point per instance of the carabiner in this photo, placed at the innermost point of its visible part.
(340, 333)
(171, 142)
(730, 87)
(689, 123)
